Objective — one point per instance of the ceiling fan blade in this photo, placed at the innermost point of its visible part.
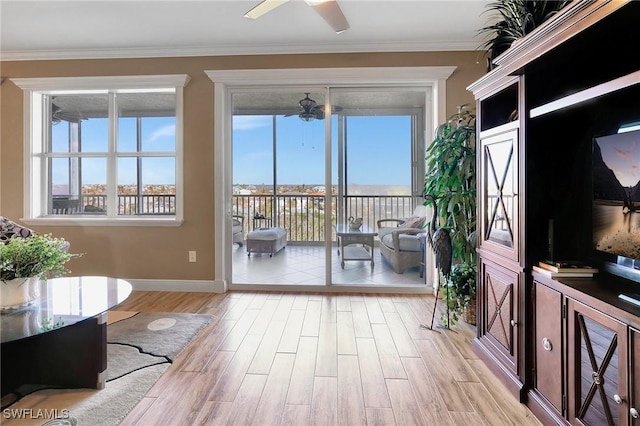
(263, 7)
(331, 12)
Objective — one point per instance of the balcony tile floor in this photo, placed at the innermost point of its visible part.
(305, 265)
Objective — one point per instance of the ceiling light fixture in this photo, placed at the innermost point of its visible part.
(308, 108)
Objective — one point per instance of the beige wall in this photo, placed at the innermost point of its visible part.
(158, 252)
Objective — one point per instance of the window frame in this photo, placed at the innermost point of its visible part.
(35, 135)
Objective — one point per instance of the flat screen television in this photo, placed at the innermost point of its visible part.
(616, 202)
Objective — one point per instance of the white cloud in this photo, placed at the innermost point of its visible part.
(249, 122)
(162, 132)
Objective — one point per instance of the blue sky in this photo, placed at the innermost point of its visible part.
(378, 153)
(621, 153)
(158, 135)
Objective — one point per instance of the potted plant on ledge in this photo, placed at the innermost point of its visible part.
(24, 261)
(461, 289)
(451, 178)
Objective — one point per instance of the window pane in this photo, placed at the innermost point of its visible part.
(146, 122)
(60, 171)
(127, 134)
(159, 134)
(378, 143)
(79, 123)
(146, 185)
(78, 185)
(127, 185)
(94, 185)
(252, 152)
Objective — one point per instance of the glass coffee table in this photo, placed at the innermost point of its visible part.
(355, 244)
(60, 340)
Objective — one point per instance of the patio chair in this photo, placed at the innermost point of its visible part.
(238, 229)
(64, 205)
(399, 240)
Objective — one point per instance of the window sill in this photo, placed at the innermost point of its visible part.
(102, 221)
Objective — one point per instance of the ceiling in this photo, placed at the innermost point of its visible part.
(58, 29)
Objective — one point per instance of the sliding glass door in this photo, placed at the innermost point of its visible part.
(285, 142)
(378, 153)
(279, 186)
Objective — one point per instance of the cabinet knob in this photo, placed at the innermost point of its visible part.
(618, 399)
(546, 344)
(514, 323)
(634, 413)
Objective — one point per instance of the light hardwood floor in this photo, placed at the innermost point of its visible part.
(321, 359)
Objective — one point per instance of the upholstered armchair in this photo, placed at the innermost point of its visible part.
(237, 231)
(399, 241)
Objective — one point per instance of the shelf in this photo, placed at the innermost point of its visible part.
(587, 94)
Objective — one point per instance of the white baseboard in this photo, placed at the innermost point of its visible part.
(196, 286)
(336, 288)
(220, 286)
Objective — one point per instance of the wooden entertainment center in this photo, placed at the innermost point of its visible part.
(568, 348)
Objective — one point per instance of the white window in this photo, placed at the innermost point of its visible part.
(103, 150)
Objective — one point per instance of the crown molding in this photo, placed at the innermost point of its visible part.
(102, 82)
(237, 50)
(332, 76)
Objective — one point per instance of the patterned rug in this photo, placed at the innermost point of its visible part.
(140, 349)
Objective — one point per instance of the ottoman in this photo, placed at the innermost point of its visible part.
(266, 240)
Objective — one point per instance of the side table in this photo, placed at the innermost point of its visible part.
(355, 244)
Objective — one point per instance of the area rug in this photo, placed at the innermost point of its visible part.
(140, 349)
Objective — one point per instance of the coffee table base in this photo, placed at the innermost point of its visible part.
(70, 357)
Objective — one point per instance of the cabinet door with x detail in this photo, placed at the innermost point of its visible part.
(598, 390)
(500, 326)
(499, 182)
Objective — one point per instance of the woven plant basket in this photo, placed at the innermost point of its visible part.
(469, 315)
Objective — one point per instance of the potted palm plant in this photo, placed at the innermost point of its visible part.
(24, 261)
(515, 19)
(451, 178)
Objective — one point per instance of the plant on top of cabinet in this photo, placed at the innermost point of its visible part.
(516, 18)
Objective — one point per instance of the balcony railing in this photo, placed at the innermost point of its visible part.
(155, 204)
(303, 215)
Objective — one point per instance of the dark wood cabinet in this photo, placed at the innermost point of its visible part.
(499, 334)
(549, 346)
(597, 355)
(498, 190)
(586, 354)
(566, 350)
(634, 370)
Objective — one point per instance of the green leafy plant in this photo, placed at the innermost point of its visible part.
(48, 325)
(38, 255)
(516, 18)
(460, 289)
(451, 178)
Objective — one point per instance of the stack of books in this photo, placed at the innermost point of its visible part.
(565, 268)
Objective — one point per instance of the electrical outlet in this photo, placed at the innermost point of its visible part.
(192, 256)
